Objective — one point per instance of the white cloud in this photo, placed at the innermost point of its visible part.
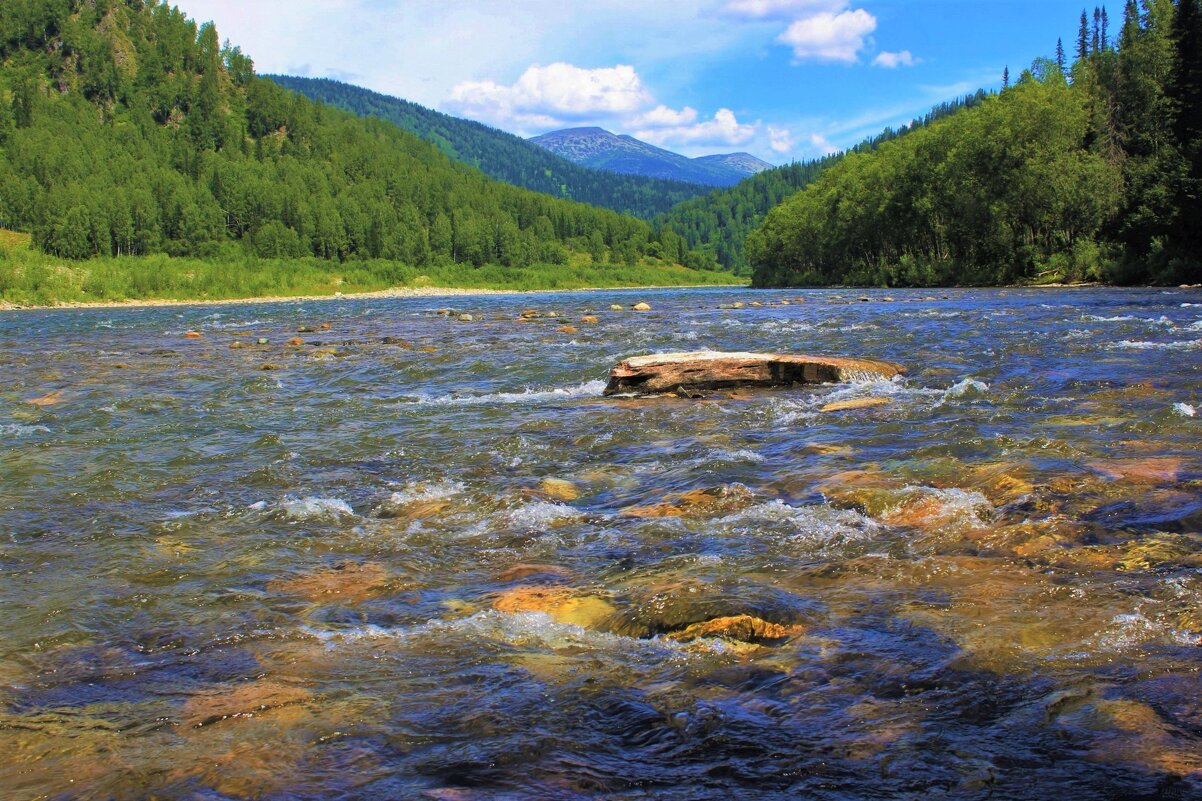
(780, 139)
(823, 145)
(663, 117)
(892, 61)
(724, 130)
(783, 9)
(545, 96)
(830, 37)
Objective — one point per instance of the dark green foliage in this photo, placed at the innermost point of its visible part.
(131, 131)
(1099, 179)
(718, 224)
(502, 155)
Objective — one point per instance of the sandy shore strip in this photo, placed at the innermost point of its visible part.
(397, 292)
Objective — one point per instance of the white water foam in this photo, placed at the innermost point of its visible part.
(539, 515)
(1126, 344)
(16, 430)
(967, 387)
(422, 491)
(810, 525)
(315, 508)
(586, 390)
(1097, 318)
(1185, 410)
(521, 629)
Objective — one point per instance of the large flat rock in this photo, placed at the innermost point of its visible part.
(668, 372)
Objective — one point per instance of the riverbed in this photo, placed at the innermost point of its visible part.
(359, 549)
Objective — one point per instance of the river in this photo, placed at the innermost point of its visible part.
(413, 557)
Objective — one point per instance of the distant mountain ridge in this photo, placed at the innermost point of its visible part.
(600, 149)
(502, 155)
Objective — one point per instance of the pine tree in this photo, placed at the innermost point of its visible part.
(1105, 29)
(1186, 91)
(1097, 30)
(1083, 37)
(1060, 59)
(1006, 78)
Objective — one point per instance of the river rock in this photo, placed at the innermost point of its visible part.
(348, 582)
(667, 372)
(642, 307)
(859, 403)
(616, 307)
(560, 489)
(561, 604)
(744, 628)
(243, 700)
(590, 319)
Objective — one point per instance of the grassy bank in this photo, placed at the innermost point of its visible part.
(31, 278)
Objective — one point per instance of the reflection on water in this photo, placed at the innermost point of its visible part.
(412, 557)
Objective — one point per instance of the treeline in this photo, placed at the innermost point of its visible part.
(502, 155)
(718, 224)
(126, 129)
(1082, 171)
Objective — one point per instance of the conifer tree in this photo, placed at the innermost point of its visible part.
(1105, 29)
(1006, 78)
(1186, 92)
(1097, 30)
(1060, 59)
(1083, 37)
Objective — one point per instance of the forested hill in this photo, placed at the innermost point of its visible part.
(1088, 171)
(502, 155)
(719, 223)
(127, 129)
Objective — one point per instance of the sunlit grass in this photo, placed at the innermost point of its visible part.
(28, 277)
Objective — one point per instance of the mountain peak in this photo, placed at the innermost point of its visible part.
(602, 150)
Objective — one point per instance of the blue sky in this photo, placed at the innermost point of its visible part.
(783, 79)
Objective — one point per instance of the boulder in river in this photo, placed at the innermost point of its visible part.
(668, 372)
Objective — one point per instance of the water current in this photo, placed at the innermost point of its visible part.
(359, 549)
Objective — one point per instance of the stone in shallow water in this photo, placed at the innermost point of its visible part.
(560, 489)
(1162, 470)
(668, 372)
(709, 502)
(561, 604)
(859, 403)
(244, 700)
(744, 628)
(349, 582)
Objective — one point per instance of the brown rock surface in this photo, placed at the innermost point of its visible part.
(349, 582)
(245, 700)
(859, 403)
(744, 628)
(561, 604)
(659, 373)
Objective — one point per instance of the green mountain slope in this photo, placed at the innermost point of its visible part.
(502, 155)
(126, 129)
(1088, 173)
(719, 223)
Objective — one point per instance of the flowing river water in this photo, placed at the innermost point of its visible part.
(413, 557)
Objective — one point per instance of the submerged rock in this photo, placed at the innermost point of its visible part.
(708, 502)
(667, 372)
(561, 604)
(859, 403)
(245, 700)
(743, 628)
(349, 582)
(560, 489)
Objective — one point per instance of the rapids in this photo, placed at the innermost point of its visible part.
(414, 557)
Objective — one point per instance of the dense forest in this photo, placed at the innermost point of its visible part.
(126, 129)
(1085, 171)
(502, 155)
(718, 224)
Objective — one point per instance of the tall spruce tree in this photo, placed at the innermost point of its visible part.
(1083, 37)
(1186, 93)
(1060, 58)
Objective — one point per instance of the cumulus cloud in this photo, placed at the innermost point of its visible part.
(663, 117)
(830, 37)
(780, 139)
(892, 61)
(724, 129)
(783, 9)
(545, 95)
